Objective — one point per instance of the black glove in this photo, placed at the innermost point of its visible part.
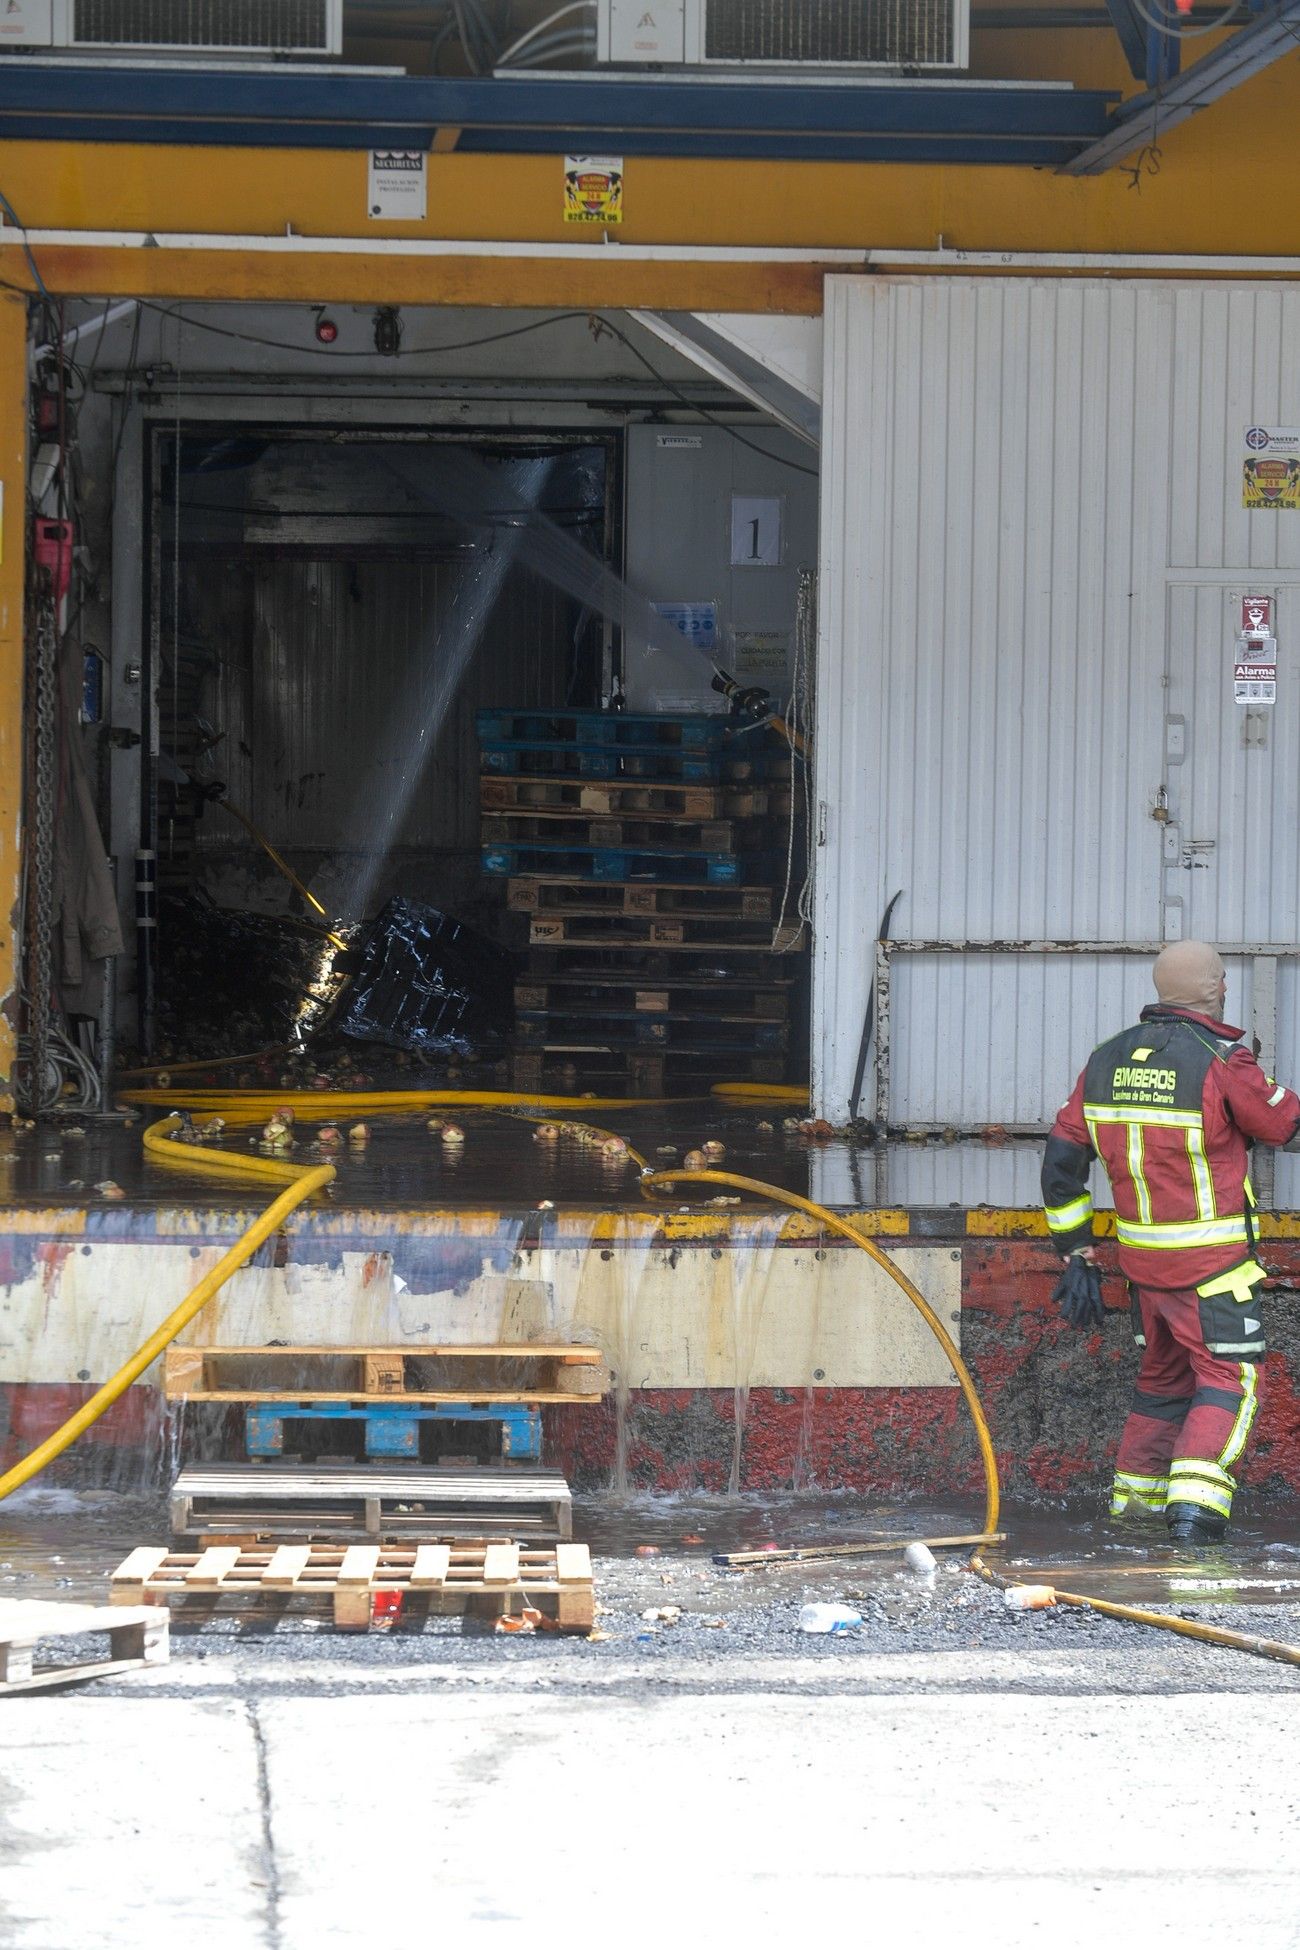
(1078, 1294)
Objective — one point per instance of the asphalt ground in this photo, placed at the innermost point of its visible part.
(948, 1771)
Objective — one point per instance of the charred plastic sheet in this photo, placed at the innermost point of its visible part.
(429, 984)
(230, 981)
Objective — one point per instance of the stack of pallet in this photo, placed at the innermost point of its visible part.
(427, 1457)
(646, 853)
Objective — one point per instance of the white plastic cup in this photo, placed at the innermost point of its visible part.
(828, 1618)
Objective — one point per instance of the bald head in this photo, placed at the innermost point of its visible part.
(1189, 975)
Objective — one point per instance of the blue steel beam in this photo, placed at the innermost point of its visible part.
(1132, 37)
(911, 122)
(1275, 31)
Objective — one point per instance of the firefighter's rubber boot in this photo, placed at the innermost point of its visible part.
(1190, 1524)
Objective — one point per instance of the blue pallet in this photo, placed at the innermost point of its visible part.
(603, 761)
(392, 1429)
(618, 863)
(701, 730)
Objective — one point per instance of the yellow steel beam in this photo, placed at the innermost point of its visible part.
(307, 276)
(1205, 199)
(13, 498)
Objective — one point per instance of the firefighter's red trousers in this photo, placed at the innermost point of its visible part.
(1192, 1412)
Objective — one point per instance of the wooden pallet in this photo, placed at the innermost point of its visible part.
(642, 1072)
(705, 935)
(597, 989)
(624, 863)
(368, 1500)
(600, 899)
(674, 799)
(136, 1638)
(697, 730)
(480, 1577)
(714, 1034)
(535, 1374)
(657, 832)
(513, 757)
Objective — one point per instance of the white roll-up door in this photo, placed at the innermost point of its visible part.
(1031, 531)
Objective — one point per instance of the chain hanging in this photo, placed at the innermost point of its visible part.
(44, 793)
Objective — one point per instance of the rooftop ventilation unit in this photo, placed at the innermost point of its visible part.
(176, 26)
(786, 34)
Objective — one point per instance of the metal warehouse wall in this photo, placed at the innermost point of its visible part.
(1032, 542)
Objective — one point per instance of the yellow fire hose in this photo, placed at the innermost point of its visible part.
(252, 1105)
(302, 1180)
(299, 1182)
(278, 860)
(992, 1493)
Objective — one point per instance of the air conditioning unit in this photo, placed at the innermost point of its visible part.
(175, 26)
(786, 34)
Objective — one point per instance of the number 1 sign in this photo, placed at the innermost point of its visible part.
(756, 525)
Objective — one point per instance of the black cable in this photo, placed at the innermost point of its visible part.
(868, 1020)
(490, 338)
(692, 406)
(494, 338)
(334, 352)
(32, 265)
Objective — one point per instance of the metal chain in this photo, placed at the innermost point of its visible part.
(799, 721)
(40, 971)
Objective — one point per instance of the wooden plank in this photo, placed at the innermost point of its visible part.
(214, 1564)
(145, 1640)
(16, 1662)
(639, 931)
(135, 1570)
(586, 1382)
(573, 1563)
(429, 1571)
(182, 1371)
(501, 1564)
(352, 1607)
(359, 1564)
(423, 1398)
(43, 1678)
(384, 1374)
(443, 1350)
(288, 1562)
(878, 1547)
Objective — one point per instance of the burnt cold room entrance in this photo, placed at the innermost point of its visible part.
(437, 780)
(330, 612)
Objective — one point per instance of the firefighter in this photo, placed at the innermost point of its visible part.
(1170, 1107)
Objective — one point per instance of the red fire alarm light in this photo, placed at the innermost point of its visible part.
(326, 330)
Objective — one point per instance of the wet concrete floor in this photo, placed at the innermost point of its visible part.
(501, 1162)
(655, 1550)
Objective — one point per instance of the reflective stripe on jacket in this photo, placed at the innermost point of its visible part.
(1169, 1107)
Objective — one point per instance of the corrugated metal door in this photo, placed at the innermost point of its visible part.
(1231, 864)
(1031, 492)
(1231, 845)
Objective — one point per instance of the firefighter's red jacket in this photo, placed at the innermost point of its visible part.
(1170, 1107)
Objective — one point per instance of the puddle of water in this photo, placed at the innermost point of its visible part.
(62, 1543)
(404, 1164)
